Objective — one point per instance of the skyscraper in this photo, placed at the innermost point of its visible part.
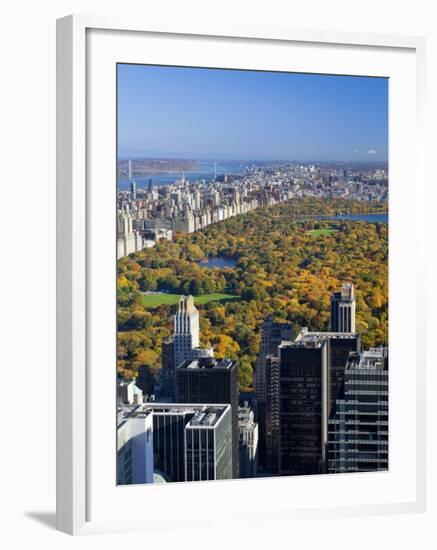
(272, 335)
(208, 444)
(303, 406)
(168, 371)
(182, 346)
(183, 442)
(343, 305)
(186, 330)
(271, 463)
(134, 446)
(133, 190)
(209, 380)
(340, 345)
(358, 430)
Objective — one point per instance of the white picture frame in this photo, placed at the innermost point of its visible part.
(75, 309)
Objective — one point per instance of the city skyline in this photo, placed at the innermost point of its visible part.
(231, 114)
(252, 297)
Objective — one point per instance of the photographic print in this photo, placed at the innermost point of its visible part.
(252, 274)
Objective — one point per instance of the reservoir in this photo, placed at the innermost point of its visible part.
(218, 261)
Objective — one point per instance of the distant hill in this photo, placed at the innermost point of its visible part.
(146, 167)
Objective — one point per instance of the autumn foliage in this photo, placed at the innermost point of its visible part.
(281, 269)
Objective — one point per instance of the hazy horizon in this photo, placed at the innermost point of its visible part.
(218, 158)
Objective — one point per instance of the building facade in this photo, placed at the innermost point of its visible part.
(358, 429)
(186, 333)
(208, 444)
(128, 240)
(209, 380)
(134, 446)
(340, 345)
(167, 389)
(303, 405)
(272, 334)
(343, 305)
(271, 465)
(181, 442)
(248, 441)
(128, 393)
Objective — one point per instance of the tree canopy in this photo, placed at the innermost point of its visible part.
(282, 268)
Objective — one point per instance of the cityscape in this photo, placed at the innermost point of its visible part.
(252, 302)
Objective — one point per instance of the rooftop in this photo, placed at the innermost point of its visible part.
(373, 359)
(310, 340)
(201, 415)
(306, 336)
(186, 305)
(346, 293)
(207, 363)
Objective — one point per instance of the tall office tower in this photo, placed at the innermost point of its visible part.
(208, 444)
(303, 406)
(134, 446)
(209, 380)
(358, 431)
(271, 465)
(340, 345)
(186, 329)
(343, 309)
(248, 441)
(197, 199)
(272, 334)
(183, 442)
(186, 333)
(133, 190)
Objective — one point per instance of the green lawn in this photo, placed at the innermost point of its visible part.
(321, 232)
(155, 300)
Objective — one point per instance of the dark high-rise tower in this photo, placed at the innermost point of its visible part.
(168, 372)
(209, 380)
(271, 464)
(311, 371)
(271, 337)
(303, 406)
(340, 345)
(343, 309)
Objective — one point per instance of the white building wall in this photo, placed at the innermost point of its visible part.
(136, 436)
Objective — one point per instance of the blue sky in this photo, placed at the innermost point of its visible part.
(179, 112)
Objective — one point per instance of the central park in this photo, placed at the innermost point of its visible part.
(286, 262)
